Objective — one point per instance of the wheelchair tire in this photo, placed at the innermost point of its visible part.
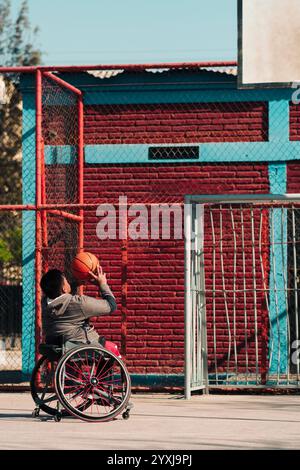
(42, 368)
(37, 391)
(94, 373)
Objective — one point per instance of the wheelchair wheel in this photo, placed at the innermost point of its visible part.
(95, 374)
(43, 390)
(42, 386)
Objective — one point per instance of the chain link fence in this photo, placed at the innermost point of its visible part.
(10, 229)
(60, 176)
(150, 136)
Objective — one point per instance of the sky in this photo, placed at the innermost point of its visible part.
(74, 32)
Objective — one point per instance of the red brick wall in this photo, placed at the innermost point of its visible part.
(60, 123)
(155, 270)
(293, 177)
(155, 305)
(171, 123)
(294, 122)
(61, 183)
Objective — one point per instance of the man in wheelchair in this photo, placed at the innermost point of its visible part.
(91, 383)
(65, 317)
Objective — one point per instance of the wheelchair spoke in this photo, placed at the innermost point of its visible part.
(93, 368)
(73, 379)
(75, 370)
(92, 383)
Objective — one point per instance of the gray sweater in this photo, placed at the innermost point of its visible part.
(65, 316)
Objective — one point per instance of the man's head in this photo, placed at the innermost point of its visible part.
(54, 284)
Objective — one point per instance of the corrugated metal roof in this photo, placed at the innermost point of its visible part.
(228, 70)
(105, 74)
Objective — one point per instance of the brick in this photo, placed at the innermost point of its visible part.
(145, 123)
(160, 264)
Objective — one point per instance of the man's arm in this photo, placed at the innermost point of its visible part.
(92, 307)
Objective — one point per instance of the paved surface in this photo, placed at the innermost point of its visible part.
(161, 422)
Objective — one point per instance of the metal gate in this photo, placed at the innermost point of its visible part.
(242, 261)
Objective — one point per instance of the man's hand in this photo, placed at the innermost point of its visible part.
(99, 277)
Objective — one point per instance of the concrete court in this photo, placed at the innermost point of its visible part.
(161, 421)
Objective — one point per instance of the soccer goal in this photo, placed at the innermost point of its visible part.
(242, 260)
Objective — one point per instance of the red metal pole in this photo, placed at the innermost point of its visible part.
(43, 208)
(80, 169)
(65, 215)
(38, 234)
(44, 200)
(57, 208)
(89, 205)
(124, 251)
(80, 176)
(62, 83)
(20, 207)
(76, 68)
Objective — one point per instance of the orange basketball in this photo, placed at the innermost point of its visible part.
(82, 264)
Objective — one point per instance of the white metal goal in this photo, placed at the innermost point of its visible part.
(242, 272)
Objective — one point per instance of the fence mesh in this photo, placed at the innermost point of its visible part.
(151, 136)
(158, 144)
(60, 134)
(251, 270)
(10, 228)
(10, 291)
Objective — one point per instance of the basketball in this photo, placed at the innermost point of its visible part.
(82, 264)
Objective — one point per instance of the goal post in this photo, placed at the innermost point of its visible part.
(195, 309)
(242, 272)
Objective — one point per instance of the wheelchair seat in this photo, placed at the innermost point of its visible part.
(51, 351)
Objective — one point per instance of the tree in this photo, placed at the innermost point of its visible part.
(17, 48)
(17, 38)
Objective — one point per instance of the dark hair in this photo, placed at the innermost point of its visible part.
(51, 283)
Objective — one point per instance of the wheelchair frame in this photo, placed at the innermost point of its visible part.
(88, 382)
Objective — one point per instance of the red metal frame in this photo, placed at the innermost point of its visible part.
(124, 252)
(41, 207)
(57, 208)
(18, 207)
(38, 233)
(80, 174)
(80, 167)
(62, 83)
(76, 68)
(43, 198)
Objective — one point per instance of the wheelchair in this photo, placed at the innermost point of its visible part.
(86, 381)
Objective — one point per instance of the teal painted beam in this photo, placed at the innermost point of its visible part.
(209, 94)
(175, 87)
(279, 129)
(278, 339)
(279, 138)
(231, 152)
(261, 152)
(28, 238)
